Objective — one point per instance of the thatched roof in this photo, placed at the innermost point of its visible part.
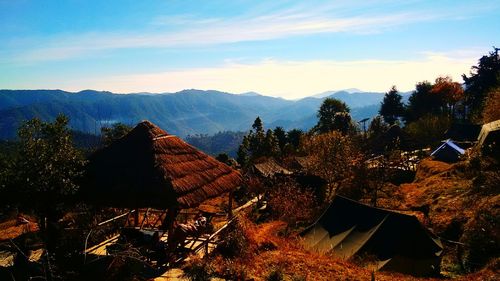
(150, 168)
(303, 162)
(270, 168)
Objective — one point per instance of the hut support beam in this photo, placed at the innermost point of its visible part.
(168, 224)
(136, 217)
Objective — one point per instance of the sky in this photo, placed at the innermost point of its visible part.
(288, 49)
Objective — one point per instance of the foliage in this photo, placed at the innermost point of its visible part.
(449, 93)
(290, 203)
(223, 158)
(230, 269)
(235, 242)
(254, 144)
(428, 130)
(326, 115)
(481, 236)
(392, 107)
(293, 138)
(483, 78)
(115, 132)
(421, 102)
(377, 127)
(491, 110)
(333, 157)
(271, 143)
(275, 274)
(43, 178)
(199, 269)
(221, 142)
(48, 165)
(281, 137)
(242, 156)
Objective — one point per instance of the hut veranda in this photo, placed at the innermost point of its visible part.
(149, 168)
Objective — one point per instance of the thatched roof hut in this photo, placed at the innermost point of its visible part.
(150, 168)
(270, 168)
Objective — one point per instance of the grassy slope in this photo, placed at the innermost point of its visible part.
(439, 187)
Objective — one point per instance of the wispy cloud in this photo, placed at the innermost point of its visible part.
(288, 79)
(296, 21)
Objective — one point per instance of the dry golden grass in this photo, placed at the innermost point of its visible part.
(10, 229)
(269, 251)
(438, 186)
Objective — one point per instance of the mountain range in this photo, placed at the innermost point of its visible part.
(183, 113)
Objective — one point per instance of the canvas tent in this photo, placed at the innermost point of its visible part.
(448, 151)
(398, 241)
(151, 168)
(489, 137)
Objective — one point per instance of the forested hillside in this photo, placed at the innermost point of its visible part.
(188, 112)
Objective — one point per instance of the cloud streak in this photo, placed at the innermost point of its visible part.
(213, 31)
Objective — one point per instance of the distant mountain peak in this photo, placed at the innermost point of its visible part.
(250, 94)
(352, 90)
(330, 93)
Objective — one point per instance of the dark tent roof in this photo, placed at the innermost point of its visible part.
(448, 152)
(398, 241)
(150, 168)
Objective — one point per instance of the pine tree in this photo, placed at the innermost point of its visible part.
(326, 114)
(392, 107)
(483, 78)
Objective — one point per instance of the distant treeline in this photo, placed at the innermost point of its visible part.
(222, 142)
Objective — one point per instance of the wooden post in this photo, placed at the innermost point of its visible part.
(168, 223)
(136, 217)
(145, 218)
(206, 247)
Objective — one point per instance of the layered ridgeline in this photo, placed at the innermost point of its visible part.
(183, 113)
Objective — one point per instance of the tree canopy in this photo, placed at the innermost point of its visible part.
(116, 131)
(48, 165)
(392, 107)
(326, 115)
(482, 79)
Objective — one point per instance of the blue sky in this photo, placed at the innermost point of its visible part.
(280, 48)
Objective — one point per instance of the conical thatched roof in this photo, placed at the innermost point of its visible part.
(150, 168)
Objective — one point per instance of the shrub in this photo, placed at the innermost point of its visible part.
(428, 130)
(288, 202)
(481, 235)
(234, 271)
(275, 274)
(235, 243)
(199, 269)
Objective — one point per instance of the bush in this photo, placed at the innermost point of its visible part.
(235, 243)
(199, 269)
(275, 274)
(481, 235)
(288, 202)
(234, 271)
(428, 130)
